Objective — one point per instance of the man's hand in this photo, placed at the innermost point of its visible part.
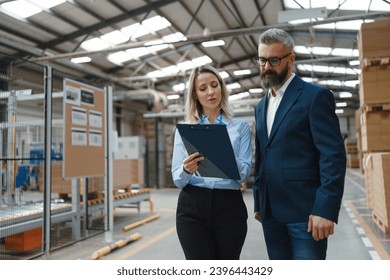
(257, 216)
(320, 227)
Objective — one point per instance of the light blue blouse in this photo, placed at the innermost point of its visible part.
(240, 137)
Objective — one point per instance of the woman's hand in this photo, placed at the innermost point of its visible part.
(191, 163)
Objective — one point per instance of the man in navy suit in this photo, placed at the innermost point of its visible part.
(300, 159)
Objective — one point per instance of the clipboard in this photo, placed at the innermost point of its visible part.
(213, 142)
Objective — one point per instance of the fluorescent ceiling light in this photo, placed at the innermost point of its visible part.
(95, 44)
(256, 90)
(339, 111)
(173, 96)
(240, 95)
(215, 43)
(345, 95)
(83, 59)
(233, 86)
(341, 104)
(179, 87)
(354, 62)
(224, 75)
(242, 72)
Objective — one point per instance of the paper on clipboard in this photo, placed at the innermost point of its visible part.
(213, 142)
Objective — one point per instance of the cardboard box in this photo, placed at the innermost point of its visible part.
(374, 84)
(24, 241)
(373, 39)
(377, 180)
(375, 127)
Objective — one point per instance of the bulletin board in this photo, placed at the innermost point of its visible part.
(84, 115)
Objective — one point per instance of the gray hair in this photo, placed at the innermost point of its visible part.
(276, 36)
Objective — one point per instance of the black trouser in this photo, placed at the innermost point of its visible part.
(211, 224)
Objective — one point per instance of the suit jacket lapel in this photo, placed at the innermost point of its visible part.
(293, 91)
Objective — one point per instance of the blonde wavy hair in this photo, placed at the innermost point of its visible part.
(193, 109)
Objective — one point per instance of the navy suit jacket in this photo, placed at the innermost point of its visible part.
(300, 167)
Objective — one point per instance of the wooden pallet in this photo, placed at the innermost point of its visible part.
(376, 61)
(376, 107)
(380, 223)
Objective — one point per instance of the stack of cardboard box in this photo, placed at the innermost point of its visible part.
(373, 117)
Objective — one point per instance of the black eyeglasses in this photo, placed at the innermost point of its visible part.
(273, 61)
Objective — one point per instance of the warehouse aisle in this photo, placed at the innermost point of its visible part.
(356, 236)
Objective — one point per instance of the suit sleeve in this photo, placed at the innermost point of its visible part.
(328, 141)
(256, 183)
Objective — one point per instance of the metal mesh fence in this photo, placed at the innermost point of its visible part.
(22, 157)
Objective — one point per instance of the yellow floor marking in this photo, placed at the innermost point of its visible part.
(146, 244)
(374, 240)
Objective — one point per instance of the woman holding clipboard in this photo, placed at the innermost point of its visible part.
(211, 216)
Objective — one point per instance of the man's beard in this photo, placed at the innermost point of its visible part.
(271, 78)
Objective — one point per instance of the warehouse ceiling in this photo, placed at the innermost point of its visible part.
(149, 46)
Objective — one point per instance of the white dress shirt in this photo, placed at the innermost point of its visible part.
(274, 101)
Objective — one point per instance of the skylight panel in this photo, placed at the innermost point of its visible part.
(203, 60)
(343, 25)
(119, 57)
(354, 5)
(185, 65)
(47, 4)
(326, 69)
(156, 74)
(156, 48)
(95, 44)
(156, 23)
(175, 37)
(345, 52)
(137, 52)
(115, 37)
(171, 70)
(326, 51)
(135, 31)
(21, 9)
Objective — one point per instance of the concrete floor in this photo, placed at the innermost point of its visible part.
(356, 236)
